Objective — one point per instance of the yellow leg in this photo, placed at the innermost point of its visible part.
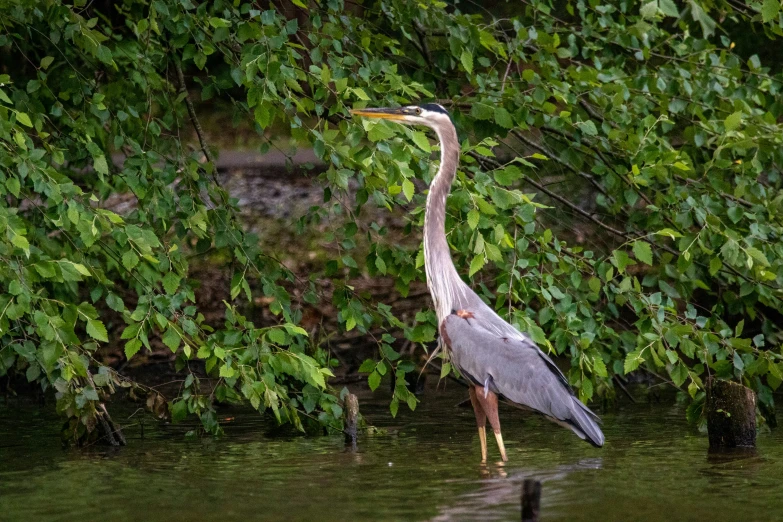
(488, 402)
(483, 439)
(481, 421)
(501, 446)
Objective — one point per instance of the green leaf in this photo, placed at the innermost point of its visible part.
(380, 264)
(643, 252)
(45, 269)
(632, 361)
(408, 189)
(79, 268)
(715, 265)
(536, 333)
(374, 380)
(678, 374)
(508, 175)
(733, 121)
(171, 282)
(130, 259)
(24, 119)
(33, 372)
(20, 241)
(179, 410)
(421, 141)
(73, 214)
(467, 60)
(735, 213)
(669, 233)
(738, 329)
(12, 184)
(669, 8)
(277, 336)
(649, 10)
(367, 366)
(359, 92)
(33, 86)
(90, 393)
(757, 255)
(394, 406)
(586, 390)
(104, 54)
(473, 219)
(97, 330)
(226, 371)
(503, 118)
(699, 15)
(87, 311)
(588, 127)
(46, 61)
(115, 302)
(171, 338)
(770, 10)
(476, 264)
(100, 165)
(445, 370)
(380, 131)
(599, 368)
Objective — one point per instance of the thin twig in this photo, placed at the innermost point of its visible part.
(192, 113)
(505, 76)
(622, 387)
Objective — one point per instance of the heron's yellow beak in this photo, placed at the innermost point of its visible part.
(383, 114)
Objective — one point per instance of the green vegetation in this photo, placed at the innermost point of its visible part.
(620, 196)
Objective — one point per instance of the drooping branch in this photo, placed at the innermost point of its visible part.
(557, 197)
(565, 164)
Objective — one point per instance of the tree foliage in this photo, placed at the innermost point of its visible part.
(619, 199)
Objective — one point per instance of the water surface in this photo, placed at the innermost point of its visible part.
(424, 466)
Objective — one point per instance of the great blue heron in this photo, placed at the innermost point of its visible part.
(496, 359)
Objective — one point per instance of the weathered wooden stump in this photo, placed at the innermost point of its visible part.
(531, 500)
(731, 415)
(351, 419)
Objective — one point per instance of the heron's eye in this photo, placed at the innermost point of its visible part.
(418, 110)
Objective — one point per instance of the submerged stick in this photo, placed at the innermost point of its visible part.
(110, 432)
(531, 500)
(351, 419)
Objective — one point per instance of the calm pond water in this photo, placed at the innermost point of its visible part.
(425, 466)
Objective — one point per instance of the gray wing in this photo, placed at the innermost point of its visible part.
(511, 365)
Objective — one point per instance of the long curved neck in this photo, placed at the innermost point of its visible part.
(442, 277)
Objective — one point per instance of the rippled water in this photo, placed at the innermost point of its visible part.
(425, 466)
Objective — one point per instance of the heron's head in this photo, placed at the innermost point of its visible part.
(430, 114)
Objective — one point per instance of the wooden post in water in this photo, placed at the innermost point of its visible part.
(351, 419)
(731, 415)
(531, 500)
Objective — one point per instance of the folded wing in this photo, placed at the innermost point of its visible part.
(513, 367)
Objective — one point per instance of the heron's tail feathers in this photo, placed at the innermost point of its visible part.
(584, 423)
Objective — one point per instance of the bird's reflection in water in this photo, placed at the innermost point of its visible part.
(501, 487)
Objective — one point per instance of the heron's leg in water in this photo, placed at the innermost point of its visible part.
(489, 403)
(481, 421)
